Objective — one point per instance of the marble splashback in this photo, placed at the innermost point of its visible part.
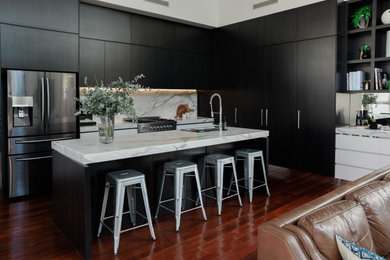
(164, 102)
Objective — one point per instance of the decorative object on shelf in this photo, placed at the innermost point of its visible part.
(385, 18)
(365, 52)
(388, 44)
(366, 84)
(108, 100)
(361, 18)
(388, 85)
(384, 79)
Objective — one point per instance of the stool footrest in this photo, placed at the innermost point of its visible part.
(230, 196)
(167, 208)
(139, 226)
(188, 210)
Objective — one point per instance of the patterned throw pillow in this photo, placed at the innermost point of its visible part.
(349, 251)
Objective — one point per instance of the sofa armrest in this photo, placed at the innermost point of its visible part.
(278, 243)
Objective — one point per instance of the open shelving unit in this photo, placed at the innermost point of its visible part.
(374, 36)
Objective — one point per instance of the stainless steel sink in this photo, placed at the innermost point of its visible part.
(201, 129)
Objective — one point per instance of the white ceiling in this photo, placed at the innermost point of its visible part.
(204, 13)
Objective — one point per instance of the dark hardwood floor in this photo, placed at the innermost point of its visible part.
(28, 232)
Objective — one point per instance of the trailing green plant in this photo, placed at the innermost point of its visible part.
(369, 99)
(110, 99)
(388, 85)
(365, 47)
(362, 12)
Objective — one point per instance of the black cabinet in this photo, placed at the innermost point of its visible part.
(191, 70)
(226, 38)
(317, 20)
(35, 49)
(57, 15)
(280, 115)
(252, 33)
(91, 61)
(281, 27)
(191, 38)
(152, 32)
(155, 63)
(316, 104)
(105, 24)
(117, 58)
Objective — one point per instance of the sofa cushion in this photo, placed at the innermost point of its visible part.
(345, 218)
(375, 199)
(350, 251)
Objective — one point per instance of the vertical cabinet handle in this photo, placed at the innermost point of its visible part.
(266, 117)
(48, 98)
(299, 119)
(235, 115)
(261, 117)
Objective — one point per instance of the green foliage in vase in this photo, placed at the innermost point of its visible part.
(110, 99)
(362, 12)
(388, 85)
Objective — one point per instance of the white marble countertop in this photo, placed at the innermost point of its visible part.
(88, 150)
(364, 131)
(121, 124)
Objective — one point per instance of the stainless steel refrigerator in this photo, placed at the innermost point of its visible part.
(41, 108)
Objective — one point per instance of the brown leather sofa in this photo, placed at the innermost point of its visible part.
(359, 212)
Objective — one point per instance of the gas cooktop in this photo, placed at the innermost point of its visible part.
(155, 124)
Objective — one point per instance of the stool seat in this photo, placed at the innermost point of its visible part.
(213, 158)
(125, 175)
(122, 181)
(180, 164)
(249, 151)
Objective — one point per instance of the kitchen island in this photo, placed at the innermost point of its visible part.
(80, 166)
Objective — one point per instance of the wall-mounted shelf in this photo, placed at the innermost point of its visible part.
(359, 61)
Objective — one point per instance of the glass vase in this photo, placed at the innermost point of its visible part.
(106, 129)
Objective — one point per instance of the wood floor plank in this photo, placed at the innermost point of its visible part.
(27, 230)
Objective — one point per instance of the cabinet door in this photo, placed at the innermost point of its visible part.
(104, 23)
(317, 20)
(192, 38)
(57, 15)
(281, 115)
(117, 58)
(35, 49)
(316, 103)
(156, 64)
(191, 70)
(152, 32)
(91, 61)
(281, 27)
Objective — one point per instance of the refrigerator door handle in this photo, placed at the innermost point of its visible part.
(48, 98)
(43, 101)
(43, 140)
(33, 158)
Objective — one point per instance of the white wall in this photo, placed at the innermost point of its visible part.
(197, 12)
(234, 11)
(204, 13)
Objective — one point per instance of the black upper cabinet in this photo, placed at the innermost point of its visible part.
(251, 33)
(191, 38)
(152, 32)
(104, 24)
(281, 27)
(117, 58)
(317, 20)
(91, 61)
(192, 70)
(156, 64)
(316, 103)
(226, 38)
(57, 15)
(26, 48)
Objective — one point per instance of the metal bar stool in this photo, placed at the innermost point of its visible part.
(219, 161)
(249, 156)
(121, 181)
(179, 170)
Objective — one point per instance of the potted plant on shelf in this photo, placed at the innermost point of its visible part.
(108, 100)
(365, 52)
(361, 18)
